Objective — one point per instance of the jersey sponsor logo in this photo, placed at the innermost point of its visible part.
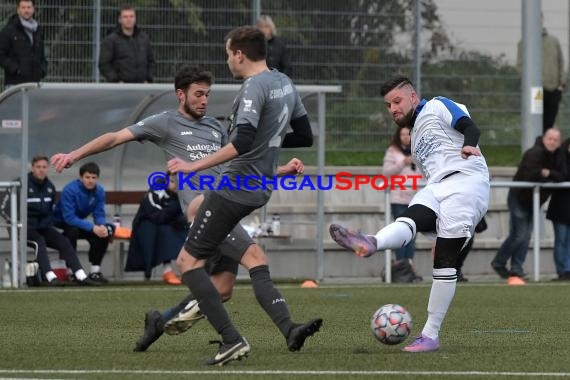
(277, 93)
(199, 151)
(208, 148)
(197, 155)
(247, 103)
(185, 133)
(425, 146)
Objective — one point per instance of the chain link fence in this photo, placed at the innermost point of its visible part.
(357, 44)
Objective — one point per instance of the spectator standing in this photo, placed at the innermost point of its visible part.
(277, 52)
(559, 213)
(126, 53)
(398, 161)
(553, 76)
(159, 231)
(541, 163)
(22, 54)
(79, 199)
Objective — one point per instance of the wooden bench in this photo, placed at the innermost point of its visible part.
(119, 199)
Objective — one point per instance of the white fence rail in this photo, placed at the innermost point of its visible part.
(536, 218)
(18, 259)
(13, 186)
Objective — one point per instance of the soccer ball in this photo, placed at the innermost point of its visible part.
(391, 324)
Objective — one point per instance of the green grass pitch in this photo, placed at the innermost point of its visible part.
(492, 331)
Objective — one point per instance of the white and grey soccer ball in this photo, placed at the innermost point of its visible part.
(391, 324)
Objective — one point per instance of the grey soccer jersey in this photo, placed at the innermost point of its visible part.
(268, 101)
(183, 138)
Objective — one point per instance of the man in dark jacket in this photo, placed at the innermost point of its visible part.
(22, 53)
(41, 198)
(541, 163)
(126, 55)
(559, 213)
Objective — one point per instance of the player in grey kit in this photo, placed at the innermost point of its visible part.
(267, 103)
(169, 130)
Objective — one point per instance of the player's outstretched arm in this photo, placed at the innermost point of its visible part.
(177, 165)
(102, 143)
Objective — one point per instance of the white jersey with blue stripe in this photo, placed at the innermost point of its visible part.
(436, 144)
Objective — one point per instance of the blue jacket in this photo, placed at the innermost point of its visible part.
(41, 198)
(76, 203)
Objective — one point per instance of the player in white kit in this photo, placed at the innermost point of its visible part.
(455, 198)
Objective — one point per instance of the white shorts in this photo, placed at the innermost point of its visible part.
(459, 202)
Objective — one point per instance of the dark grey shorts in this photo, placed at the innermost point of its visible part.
(216, 230)
(218, 264)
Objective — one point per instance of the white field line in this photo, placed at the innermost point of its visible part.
(490, 374)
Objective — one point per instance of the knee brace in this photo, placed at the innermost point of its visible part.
(447, 251)
(423, 217)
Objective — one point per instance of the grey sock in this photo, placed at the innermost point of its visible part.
(270, 298)
(210, 303)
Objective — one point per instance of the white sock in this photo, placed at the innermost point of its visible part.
(441, 295)
(396, 235)
(50, 276)
(167, 268)
(95, 268)
(80, 275)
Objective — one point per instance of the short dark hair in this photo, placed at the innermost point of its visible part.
(39, 157)
(186, 75)
(250, 40)
(89, 167)
(126, 7)
(394, 83)
(28, 1)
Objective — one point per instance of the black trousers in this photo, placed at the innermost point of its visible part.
(52, 238)
(97, 245)
(551, 101)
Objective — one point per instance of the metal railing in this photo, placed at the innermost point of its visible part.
(536, 186)
(13, 185)
(388, 219)
(330, 42)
